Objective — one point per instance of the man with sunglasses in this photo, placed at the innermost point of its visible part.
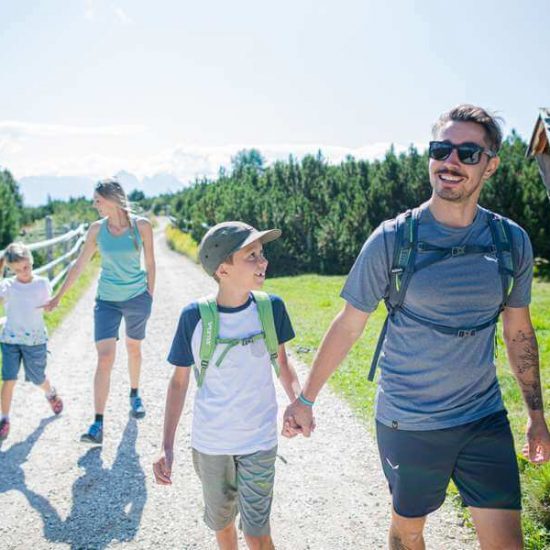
(439, 409)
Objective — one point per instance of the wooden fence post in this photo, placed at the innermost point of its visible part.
(49, 250)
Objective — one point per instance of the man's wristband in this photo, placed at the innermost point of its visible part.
(305, 401)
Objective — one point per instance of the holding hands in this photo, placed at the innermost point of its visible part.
(298, 419)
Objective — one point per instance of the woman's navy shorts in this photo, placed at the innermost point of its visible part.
(479, 457)
(108, 316)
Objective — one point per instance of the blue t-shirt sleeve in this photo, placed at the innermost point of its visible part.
(283, 326)
(368, 281)
(520, 295)
(181, 352)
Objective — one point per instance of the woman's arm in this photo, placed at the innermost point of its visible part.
(86, 254)
(146, 232)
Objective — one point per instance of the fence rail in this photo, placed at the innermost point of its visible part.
(67, 257)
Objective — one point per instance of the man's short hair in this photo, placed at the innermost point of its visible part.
(470, 113)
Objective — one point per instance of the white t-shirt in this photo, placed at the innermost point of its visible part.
(235, 409)
(24, 318)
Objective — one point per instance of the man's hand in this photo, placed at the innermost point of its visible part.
(162, 468)
(537, 447)
(298, 418)
(52, 304)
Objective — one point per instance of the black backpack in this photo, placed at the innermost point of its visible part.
(404, 267)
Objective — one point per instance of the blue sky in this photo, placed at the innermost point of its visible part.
(90, 87)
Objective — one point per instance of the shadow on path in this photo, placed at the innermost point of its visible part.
(12, 476)
(107, 504)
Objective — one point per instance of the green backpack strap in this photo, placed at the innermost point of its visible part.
(502, 239)
(210, 318)
(401, 271)
(265, 312)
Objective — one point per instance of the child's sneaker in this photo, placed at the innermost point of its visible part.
(137, 409)
(4, 428)
(55, 403)
(94, 435)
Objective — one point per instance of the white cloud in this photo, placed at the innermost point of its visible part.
(187, 162)
(16, 130)
(89, 9)
(122, 16)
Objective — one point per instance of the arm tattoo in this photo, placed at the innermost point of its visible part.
(525, 363)
(528, 356)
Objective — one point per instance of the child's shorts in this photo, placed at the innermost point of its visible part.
(242, 483)
(108, 316)
(34, 362)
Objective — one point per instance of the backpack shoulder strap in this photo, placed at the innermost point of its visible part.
(401, 270)
(265, 312)
(210, 318)
(406, 239)
(504, 245)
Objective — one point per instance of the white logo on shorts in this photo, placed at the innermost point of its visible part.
(491, 259)
(391, 465)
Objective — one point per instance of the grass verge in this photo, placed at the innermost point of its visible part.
(182, 242)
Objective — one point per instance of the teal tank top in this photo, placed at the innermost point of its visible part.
(122, 276)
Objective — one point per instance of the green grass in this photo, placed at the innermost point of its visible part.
(313, 301)
(182, 242)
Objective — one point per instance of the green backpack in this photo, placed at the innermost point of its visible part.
(210, 338)
(404, 266)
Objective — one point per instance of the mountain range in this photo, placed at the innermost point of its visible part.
(37, 189)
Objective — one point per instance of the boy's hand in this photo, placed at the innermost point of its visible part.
(52, 304)
(300, 418)
(162, 468)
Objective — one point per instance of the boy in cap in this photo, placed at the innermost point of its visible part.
(229, 342)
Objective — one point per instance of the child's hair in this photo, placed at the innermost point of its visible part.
(17, 252)
(111, 190)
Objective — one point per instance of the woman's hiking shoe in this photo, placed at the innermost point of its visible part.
(94, 435)
(137, 410)
(4, 428)
(55, 403)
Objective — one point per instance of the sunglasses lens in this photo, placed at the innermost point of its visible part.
(439, 150)
(469, 154)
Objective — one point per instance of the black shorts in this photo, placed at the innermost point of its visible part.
(479, 457)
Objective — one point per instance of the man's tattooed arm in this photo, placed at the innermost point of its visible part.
(523, 353)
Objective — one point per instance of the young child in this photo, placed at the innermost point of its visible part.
(234, 428)
(23, 337)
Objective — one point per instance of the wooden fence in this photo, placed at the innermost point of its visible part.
(71, 242)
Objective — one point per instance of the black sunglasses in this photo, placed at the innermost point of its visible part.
(468, 153)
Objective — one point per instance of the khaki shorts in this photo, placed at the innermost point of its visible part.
(237, 483)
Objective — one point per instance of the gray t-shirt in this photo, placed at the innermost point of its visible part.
(431, 380)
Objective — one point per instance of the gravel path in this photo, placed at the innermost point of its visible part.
(57, 493)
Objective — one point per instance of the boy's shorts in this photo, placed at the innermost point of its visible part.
(242, 483)
(108, 316)
(34, 362)
(479, 457)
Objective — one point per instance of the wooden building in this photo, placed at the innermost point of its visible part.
(539, 146)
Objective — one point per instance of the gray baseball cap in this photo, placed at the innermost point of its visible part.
(225, 238)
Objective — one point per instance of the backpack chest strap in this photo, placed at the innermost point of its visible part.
(230, 343)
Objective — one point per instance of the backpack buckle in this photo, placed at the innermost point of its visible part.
(458, 250)
(204, 363)
(463, 333)
(246, 341)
